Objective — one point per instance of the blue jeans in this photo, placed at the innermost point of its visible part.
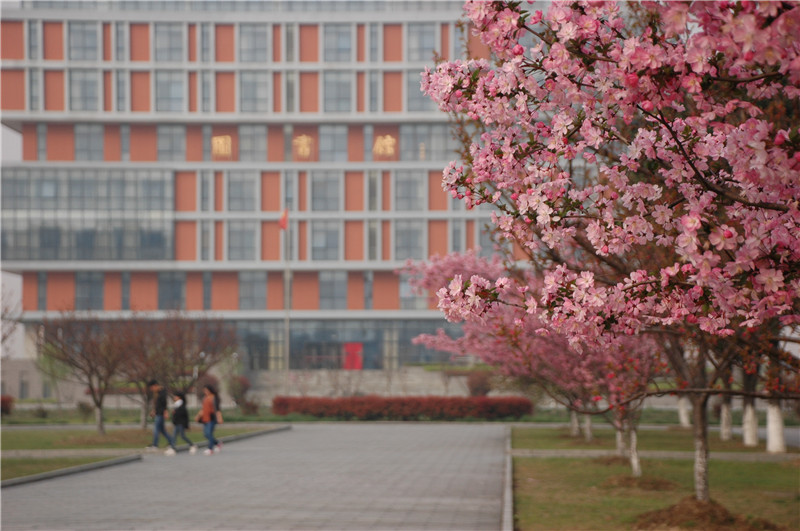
(158, 428)
(208, 432)
(180, 431)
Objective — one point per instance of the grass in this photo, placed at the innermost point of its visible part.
(15, 467)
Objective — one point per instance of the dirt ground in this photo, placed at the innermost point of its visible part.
(708, 516)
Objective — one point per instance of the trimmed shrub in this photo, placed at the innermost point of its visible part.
(6, 404)
(85, 410)
(405, 407)
(479, 383)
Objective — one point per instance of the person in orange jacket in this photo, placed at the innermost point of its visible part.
(210, 416)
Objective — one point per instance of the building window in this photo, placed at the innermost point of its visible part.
(83, 38)
(373, 240)
(325, 191)
(290, 42)
(252, 290)
(207, 278)
(369, 279)
(254, 92)
(373, 191)
(409, 191)
(409, 300)
(207, 135)
(171, 290)
(457, 241)
(338, 91)
(41, 141)
(333, 143)
(126, 290)
(242, 240)
(421, 41)
(205, 42)
(169, 91)
(125, 142)
(89, 290)
(325, 240)
(23, 385)
(242, 191)
(374, 42)
(34, 41)
(253, 143)
(122, 90)
(41, 291)
(338, 42)
(426, 142)
(374, 91)
(253, 43)
(88, 142)
(171, 142)
(207, 90)
(409, 239)
(34, 95)
(333, 290)
(416, 100)
(206, 241)
(206, 191)
(121, 41)
(169, 41)
(83, 90)
(291, 97)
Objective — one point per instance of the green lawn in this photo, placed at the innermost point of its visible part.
(13, 467)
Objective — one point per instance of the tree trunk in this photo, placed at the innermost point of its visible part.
(725, 420)
(99, 420)
(587, 428)
(700, 414)
(636, 465)
(622, 448)
(143, 412)
(574, 426)
(749, 423)
(683, 412)
(776, 442)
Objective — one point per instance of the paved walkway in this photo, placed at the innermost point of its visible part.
(337, 476)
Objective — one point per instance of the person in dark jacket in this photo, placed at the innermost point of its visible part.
(180, 418)
(159, 412)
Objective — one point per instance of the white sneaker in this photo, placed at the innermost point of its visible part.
(193, 449)
(170, 451)
(208, 452)
(217, 449)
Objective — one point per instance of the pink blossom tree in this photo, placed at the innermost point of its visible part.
(663, 147)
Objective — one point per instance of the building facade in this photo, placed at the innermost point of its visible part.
(272, 163)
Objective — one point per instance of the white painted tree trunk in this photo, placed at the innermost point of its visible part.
(636, 465)
(701, 487)
(587, 428)
(683, 412)
(749, 425)
(574, 426)
(725, 422)
(622, 447)
(776, 442)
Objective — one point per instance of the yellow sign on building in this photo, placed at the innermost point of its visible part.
(384, 146)
(221, 146)
(302, 146)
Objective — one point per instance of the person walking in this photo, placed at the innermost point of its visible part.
(159, 412)
(210, 415)
(180, 418)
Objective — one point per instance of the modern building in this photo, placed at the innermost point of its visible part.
(166, 145)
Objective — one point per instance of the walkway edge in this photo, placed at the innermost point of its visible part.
(507, 523)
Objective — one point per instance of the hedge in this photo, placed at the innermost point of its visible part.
(6, 404)
(405, 407)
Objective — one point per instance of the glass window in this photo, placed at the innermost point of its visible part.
(252, 290)
(171, 142)
(338, 42)
(374, 91)
(122, 90)
(84, 90)
(34, 41)
(254, 92)
(242, 240)
(41, 141)
(426, 142)
(171, 290)
(373, 190)
(205, 42)
(89, 290)
(409, 191)
(83, 39)
(169, 41)
(409, 239)
(207, 279)
(206, 191)
(206, 240)
(242, 191)
(34, 95)
(457, 241)
(421, 41)
(338, 91)
(333, 143)
(408, 299)
(325, 191)
(125, 142)
(333, 290)
(207, 87)
(41, 299)
(291, 98)
(126, 290)
(325, 240)
(290, 42)
(253, 43)
(207, 134)
(374, 42)
(416, 100)
(169, 90)
(121, 41)
(253, 143)
(88, 142)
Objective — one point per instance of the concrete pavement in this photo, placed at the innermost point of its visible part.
(316, 476)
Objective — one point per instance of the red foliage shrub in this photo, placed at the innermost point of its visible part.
(6, 404)
(405, 407)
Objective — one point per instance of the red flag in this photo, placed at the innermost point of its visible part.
(283, 223)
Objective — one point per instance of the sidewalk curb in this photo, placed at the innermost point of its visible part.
(507, 523)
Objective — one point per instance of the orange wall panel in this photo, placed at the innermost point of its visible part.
(275, 291)
(305, 291)
(194, 143)
(30, 142)
(275, 143)
(470, 234)
(108, 101)
(12, 39)
(309, 92)
(194, 291)
(270, 241)
(140, 42)
(185, 191)
(276, 92)
(475, 48)
(386, 240)
(360, 91)
(355, 143)
(276, 43)
(111, 147)
(223, 43)
(309, 43)
(53, 39)
(225, 291)
(30, 291)
(60, 291)
(185, 240)
(437, 237)
(219, 241)
(12, 90)
(192, 91)
(392, 91)
(271, 191)
(385, 291)
(144, 143)
(360, 43)
(60, 142)
(140, 91)
(353, 240)
(112, 292)
(107, 42)
(437, 197)
(302, 240)
(354, 191)
(444, 46)
(192, 36)
(392, 42)
(355, 291)
(226, 92)
(219, 192)
(144, 291)
(302, 189)
(386, 191)
(54, 90)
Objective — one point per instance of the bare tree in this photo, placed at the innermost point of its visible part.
(10, 318)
